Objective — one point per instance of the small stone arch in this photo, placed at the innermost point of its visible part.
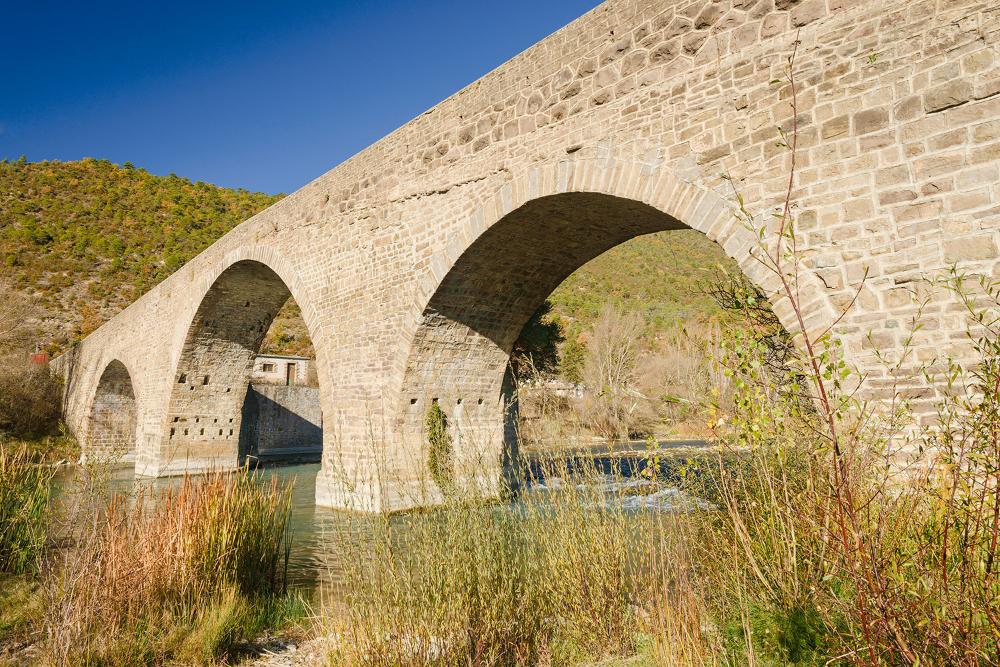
(203, 426)
(276, 262)
(113, 417)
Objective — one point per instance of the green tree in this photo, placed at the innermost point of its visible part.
(538, 345)
(574, 353)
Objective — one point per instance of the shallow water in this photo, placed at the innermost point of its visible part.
(313, 558)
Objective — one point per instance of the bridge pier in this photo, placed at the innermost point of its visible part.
(387, 468)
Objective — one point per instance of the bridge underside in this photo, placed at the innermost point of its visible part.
(205, 409)
(461, 349)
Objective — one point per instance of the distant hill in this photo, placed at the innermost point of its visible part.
(84, 239)
(662, 276)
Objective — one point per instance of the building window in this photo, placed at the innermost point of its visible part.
(268, 368)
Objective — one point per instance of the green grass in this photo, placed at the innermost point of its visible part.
(24, 497)
(22, 603)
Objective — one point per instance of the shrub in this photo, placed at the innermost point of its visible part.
(614, 407)
(683, 375)
(30, 398)
(439, 450)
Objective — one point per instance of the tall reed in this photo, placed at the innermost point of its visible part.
(24, 496)
(179, 574)
(554, 578)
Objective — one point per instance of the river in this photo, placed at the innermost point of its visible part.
(313, 558)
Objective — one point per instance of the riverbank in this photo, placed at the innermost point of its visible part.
(322, 553)
(185, 574)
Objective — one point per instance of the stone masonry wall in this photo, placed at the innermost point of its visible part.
(283, 422)
(112, 421)
(663, 104)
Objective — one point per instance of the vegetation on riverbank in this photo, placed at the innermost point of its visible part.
(628, 388)
(476, 583)
(184, 576)
(808, 540)
(24, 495)
(184, 573)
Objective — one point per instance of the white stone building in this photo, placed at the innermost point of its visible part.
(280, 369)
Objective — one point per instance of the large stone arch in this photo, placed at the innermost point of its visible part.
(202, 417)
(517, 247)
(113, 415)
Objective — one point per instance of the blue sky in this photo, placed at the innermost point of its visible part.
(261, 95)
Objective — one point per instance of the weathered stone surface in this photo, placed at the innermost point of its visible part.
(870, 120)
(417, 262)
(970, 249)
(947, 95)
(807, 12)
(836, 127)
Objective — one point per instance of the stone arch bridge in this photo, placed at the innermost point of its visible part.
(417, 262)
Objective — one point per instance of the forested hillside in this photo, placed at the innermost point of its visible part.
(664, 277)
(84, 239)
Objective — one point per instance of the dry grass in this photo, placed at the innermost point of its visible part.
(560, 577)
(181, 575)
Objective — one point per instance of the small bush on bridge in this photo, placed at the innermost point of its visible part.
(439, 453)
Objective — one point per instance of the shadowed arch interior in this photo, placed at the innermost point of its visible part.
(213, 371)
(462, 345)
(113, 415)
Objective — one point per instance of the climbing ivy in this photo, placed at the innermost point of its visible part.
(439, 456)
